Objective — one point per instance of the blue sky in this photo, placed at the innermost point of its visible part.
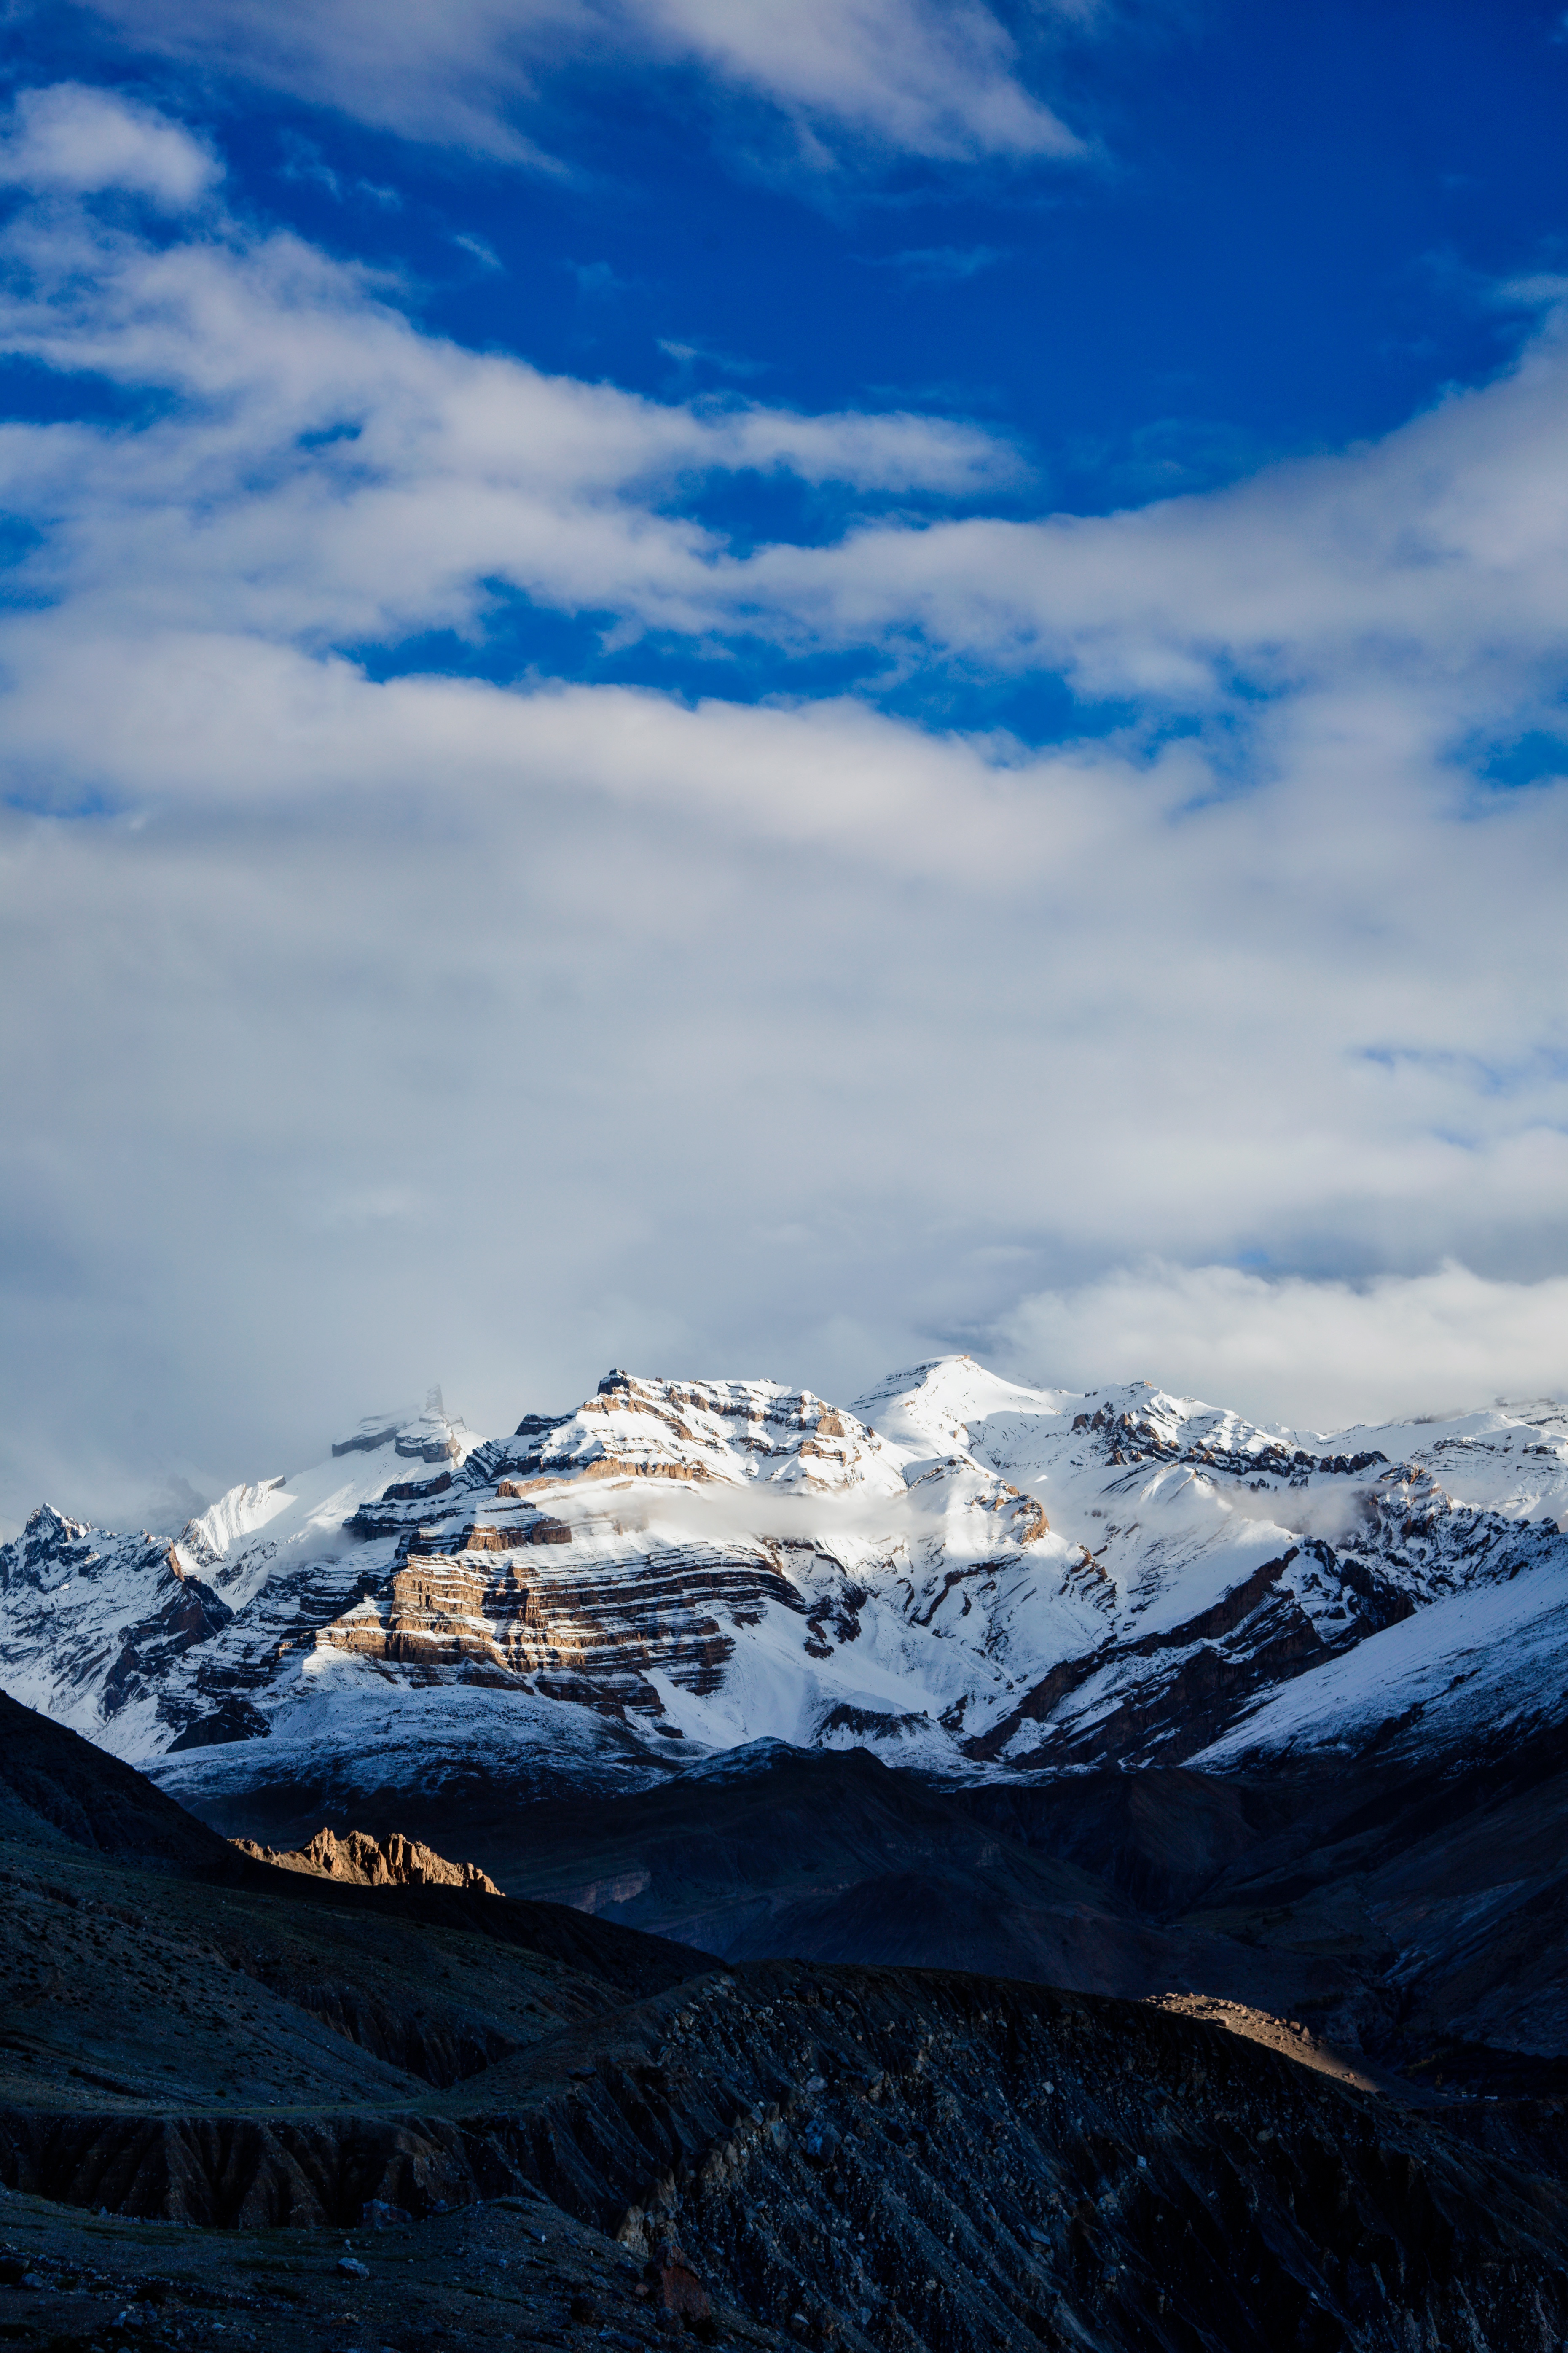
(743, 689)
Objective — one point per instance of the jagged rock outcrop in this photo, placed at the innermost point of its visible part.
(361, 1859)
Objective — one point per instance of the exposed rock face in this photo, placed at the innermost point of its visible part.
(362, 1861)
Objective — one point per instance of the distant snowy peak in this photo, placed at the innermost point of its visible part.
(932, 1407)
(962, 1571)
(1512, 1458)
(955, 1403)
(90, 1618)
(432, 1436)
(218, 1541)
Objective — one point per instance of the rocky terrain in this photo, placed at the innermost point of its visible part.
(400, 2115)
(1412, 1909)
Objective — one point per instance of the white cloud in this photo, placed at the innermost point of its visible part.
(938, 80)
(80, 142)
(434, 1031)
(1433, 564)
(458, 75)
(933, 78)
(1311, 1353)
(1427, 571)
(1438, 554)
(329, 469)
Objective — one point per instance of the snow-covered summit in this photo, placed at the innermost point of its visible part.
(739, 1432)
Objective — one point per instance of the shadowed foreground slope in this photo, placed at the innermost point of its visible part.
(861, 2155)
(1413, 1905)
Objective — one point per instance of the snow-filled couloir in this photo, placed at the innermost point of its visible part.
(966, 1574)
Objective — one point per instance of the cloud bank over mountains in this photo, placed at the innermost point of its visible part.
(408, 1014)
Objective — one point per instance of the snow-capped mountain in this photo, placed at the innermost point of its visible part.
(968, 1574)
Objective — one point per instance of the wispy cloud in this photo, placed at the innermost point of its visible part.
(597, 282)
(304, 161)
(939, 78)
(482, 251)
(941, 265)
(80, 142)
(936, 81)
(304, 164)
(690, 357)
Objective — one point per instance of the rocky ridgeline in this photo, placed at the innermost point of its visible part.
(1133, 1437)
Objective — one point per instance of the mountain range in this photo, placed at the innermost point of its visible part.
(958, 1574)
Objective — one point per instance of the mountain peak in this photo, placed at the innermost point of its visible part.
(431, 1435)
